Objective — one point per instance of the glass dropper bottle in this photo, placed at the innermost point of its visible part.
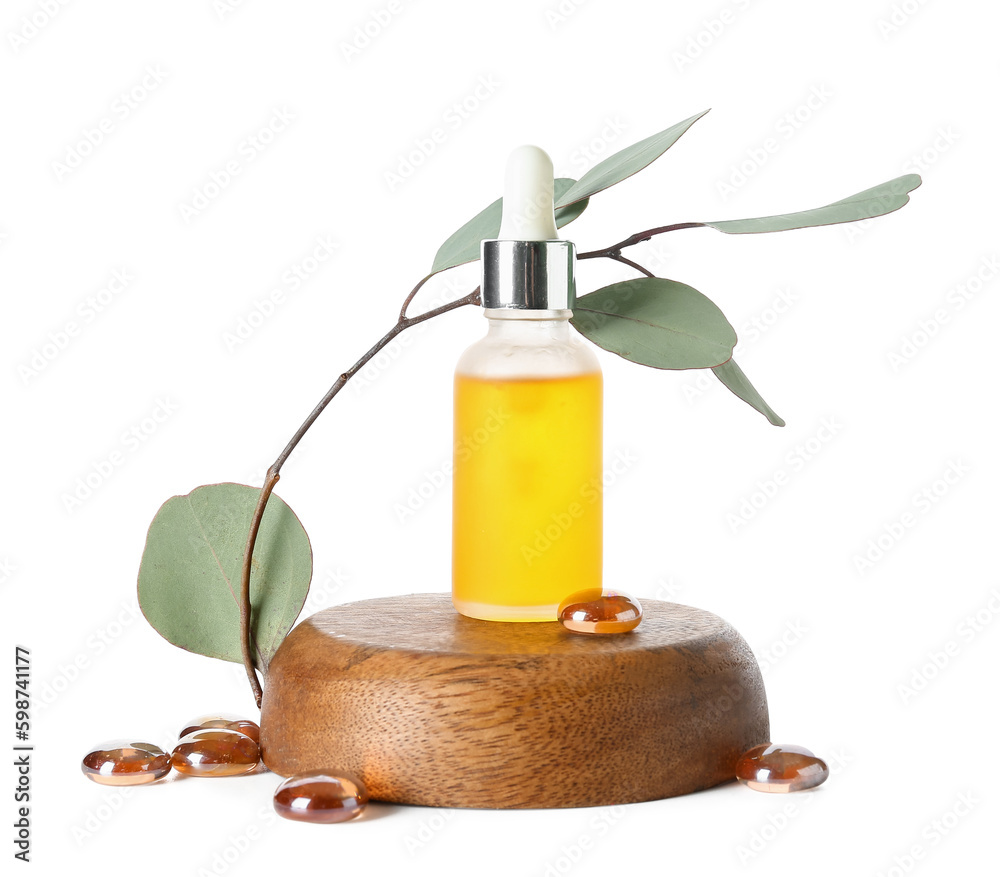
(527, 503)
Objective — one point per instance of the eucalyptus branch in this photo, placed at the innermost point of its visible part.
(620, 258)
(403, 323)
(615, 250)
(413, 292)
(611, 324)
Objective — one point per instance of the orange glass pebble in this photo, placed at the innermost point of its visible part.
(125, 763)
(596, 610)
(215, 752)
(321, 796)
(223, 720)
(780, 767)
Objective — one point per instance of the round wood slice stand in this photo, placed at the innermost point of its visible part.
(429, 707)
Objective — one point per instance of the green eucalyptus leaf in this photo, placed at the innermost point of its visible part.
(564, 215)
(624, 163)
(656, 322)
(876, 201)
(463, 245)
(732, 376)
(189, 577)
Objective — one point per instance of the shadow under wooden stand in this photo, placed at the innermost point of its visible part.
(429, 707)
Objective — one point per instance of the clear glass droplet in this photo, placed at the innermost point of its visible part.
(600, 610)
(780, 767)
(223, 720)
(321, 796)
(125, 763)
(215, 752)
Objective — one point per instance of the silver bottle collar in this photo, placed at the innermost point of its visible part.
(529, 275)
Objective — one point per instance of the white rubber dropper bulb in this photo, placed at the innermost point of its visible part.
(528, 211)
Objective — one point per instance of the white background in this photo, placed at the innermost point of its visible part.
(850, 95)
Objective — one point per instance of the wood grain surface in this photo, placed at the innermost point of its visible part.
(430, 707)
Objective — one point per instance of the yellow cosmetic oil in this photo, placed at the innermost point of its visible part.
(527, 525)
(527, 502)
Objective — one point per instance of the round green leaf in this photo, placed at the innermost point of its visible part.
(656, 322)
(189, 577)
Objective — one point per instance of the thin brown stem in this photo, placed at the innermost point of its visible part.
(245, 631)
(630, 263)
(413, 292)
(615, 249)
(404, 322)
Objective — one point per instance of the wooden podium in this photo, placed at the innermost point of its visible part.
(429, 707)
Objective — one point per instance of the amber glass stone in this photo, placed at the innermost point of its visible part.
(780, 767)
(597, 610)
(223, 720)
(321, 796)
(215, 752)
(125, 763)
